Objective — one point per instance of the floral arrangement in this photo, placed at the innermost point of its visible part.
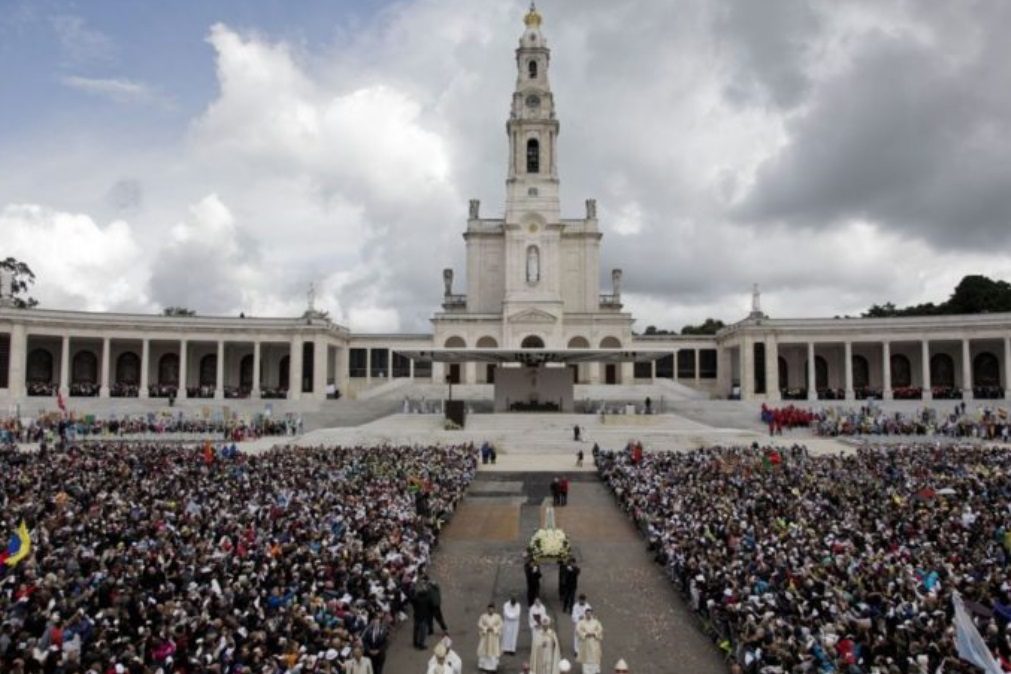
(549, 544)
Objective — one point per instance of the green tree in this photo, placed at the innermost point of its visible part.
(178, 311)
(709, 327)
(23, 279)
(974, 294)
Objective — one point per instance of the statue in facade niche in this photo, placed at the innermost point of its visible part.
(447, 281)
(616, 282)
(475, 209)
(533, 265)
(591, 209)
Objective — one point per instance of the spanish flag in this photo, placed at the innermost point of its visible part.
(19, 547)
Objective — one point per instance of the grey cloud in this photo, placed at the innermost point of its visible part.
(911, 136)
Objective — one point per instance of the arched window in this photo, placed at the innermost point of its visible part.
(532, 342)
(942, 370)
(487, 343)
(40, 367)
(209, 370)
(84, 368)
(168, 370)
(533, 156)
(128, 369)
(902, 371)
(985, 370)
(861, 372)
(532, 69)
(455, 342)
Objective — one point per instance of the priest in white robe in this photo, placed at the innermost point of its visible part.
(511, 612)
(578, 609)
(544, 651)
(445, 660)
(590, 633)
(537, 614)
(489, 646)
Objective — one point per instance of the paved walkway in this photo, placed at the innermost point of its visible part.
(480, 560)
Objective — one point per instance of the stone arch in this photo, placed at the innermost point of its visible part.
(610, 343)
(532, 69)
(784, 373)
(985, 370)
(455, 342)
(532, 342)
(487, 342)
(902, 371)
(820, 373)
(209, 370)
(128, 369)
(84, 368)
(168, 370)
(942, 370)
(40, 366)
(861, 372)
(579, 343)
(284, 373)
(246, 372)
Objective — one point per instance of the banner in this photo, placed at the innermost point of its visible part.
(968, 641)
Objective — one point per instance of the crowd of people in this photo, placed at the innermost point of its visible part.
(56, 426)
(986, 422)
(151, 557)
(843, 563)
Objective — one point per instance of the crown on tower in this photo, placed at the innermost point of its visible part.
(533, 17)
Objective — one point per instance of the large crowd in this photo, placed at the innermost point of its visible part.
(151, 557)
(56, 426)
(986, 422)
(842, 563)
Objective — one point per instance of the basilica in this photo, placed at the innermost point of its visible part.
(533, 293)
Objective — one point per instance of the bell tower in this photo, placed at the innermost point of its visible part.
(532, 183)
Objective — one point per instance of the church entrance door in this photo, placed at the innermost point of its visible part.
(610, 373)
(454, 373)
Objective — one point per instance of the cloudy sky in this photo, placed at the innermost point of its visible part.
(224, 155)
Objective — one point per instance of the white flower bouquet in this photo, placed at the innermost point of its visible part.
(550, 544)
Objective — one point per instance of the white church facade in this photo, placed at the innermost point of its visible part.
(533, 282)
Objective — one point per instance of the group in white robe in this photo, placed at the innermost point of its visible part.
(489, 647)
(578, 609)
(537, 613)
(511, 612)
(590, 634)
(544, 650)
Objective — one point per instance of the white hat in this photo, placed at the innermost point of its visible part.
(331, 654)
(564, 665)
(620, 666)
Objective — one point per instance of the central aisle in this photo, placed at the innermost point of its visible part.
(480, 560)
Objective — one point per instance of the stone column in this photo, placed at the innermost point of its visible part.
(746, 362)
(319, 367)
(652, 371)
(411, 365)
(966, 371)
(18, 361)
(848, 369)
(257, 366)
(1007, 368)
(368, 367)
(65, 366)
(295, 369)
(925, 369)
(675, 377)
(886, 370)
(697, 373)
(184, 348)
(219, 376)
(772, 383)
(103, 390)
(812, 378)
(342, 372)
(145, 358)
(469, 370)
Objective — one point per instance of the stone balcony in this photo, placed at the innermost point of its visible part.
(610, 302)
(454, 302)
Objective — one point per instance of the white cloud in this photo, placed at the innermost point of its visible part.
(119, 90)
(78, 263)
